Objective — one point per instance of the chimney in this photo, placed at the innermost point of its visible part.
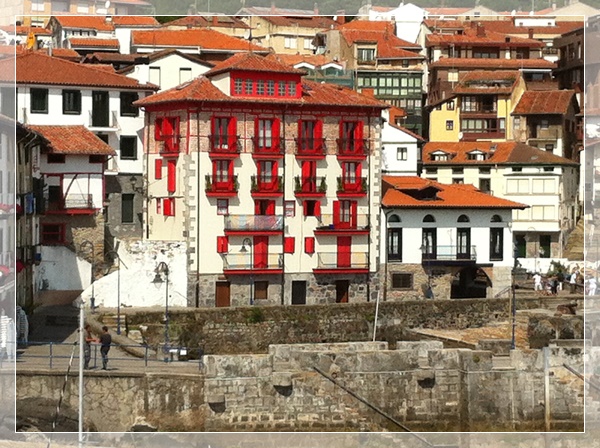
(530, 33)
(215, 20)
(273, 7)
(316, 9)
(480, 30)
(340, 16)
(553, 6)
(368, 92)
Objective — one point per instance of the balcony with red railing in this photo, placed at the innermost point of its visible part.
(309, 148)
(352, 149)
(224, 146)
(341, 226)
(267, 147)
(218, 188)
(266, 188)
(310, 187)
(252, 264)
(339, 263)
(356, 189)
(253, 225)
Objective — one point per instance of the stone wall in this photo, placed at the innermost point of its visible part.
(253, 329)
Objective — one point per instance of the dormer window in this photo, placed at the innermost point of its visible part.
(270, 87)
(440, 156)
(291, 88)
(366, 54)
(238, 86)
(476, 155)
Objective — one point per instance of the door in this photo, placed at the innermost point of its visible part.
(222, 295)
(341, 291)
(463, 247)
(344, 244)
(298, 293)
(261, 252)
(100, 109)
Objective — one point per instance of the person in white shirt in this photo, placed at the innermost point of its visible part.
(537, 281)
(592, 286)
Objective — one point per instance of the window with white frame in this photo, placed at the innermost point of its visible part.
(543, 212)
(290, 42)
(37, 5)
(308, 44)
(83, 7)
(270, 87)
(402, 153)
(238, 85)
(365, 54)
(185, 74)
(517, 186)
(543, 186)
(453, 76)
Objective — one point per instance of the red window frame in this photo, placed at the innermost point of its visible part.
(310, 133)
(223, 131)
(169, 206)
(263, 141)
(351, 136)
(264, 207)
(222, 244)
(267, 171)
(316, 210)
(345, 214)
(171, 175)
(351, 176)
(158, 206)
(59, 233)
(289, 244)
(158, 168)
(309, 176)
(222, 173)
(309, 244)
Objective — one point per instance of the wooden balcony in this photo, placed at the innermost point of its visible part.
(356, 189)
(72, 204)
(337, 263)
(310, 148)
(224, 146)
(310, 187)
(216, 188)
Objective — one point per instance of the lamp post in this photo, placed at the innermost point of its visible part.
(112, 252)
(513, 305)
(243, 250)
(83, 244)
(164, 268)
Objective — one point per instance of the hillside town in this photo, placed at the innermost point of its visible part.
(430, 161)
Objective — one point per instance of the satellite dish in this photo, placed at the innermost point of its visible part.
(530, 13)
(513, 12)
(247, 34)
(107, 4)
(460, 135)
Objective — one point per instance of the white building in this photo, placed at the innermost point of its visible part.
(401, 148)
(547, 183)
(443, 241)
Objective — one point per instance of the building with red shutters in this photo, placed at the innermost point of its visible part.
(270, 180)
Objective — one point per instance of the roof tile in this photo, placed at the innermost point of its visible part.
(74, 140)
(555, 102)
(92, 42)
(253, 62)
(98, 23)
(207, 39)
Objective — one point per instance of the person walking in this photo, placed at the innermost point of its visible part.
(87, 347)
(105, 342)
(573, 281)
(537, 282)
(592, 286)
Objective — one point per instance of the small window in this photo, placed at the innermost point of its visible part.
(71, 102)
(96, 158)
(127, 107)
(458, 170)
(56, 158)
(463, 218)
(311, 208)
(544, 124)
(402, 153)
(485, 170)
(169, 206)
(222, 207)
(270, 87)
(39, 101)
(281, 88)
(548, 169)
(430, 170)
(402, 281)
(449, 125)
(429, 218)
(185, 74)
(128, 147)
(127, 208)
(261, 289)
(291, 88)
(517, 169)
(549, 147)
(438, 107)
(290, 209)
(53, 234)
(260, 87)
(238, 85)
(450, 105)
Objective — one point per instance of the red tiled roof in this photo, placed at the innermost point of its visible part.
(204, 21)
(91, 42)
(509, 27)
(98, 23)
(318, 22)
(135, 21)
(317, 60)
(73, 140)
(253, 62)
(204, 38)
(554, 102)
(408, 132)
(37, 68)
(63, 53)
(486, 81)
(374, 31)
(446, 11)
(399, 192)
(504, 153)
(313, 94)
(110, 57)
(488, 38)
(493, 63)
(25, 30)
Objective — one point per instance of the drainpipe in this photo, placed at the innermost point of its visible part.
(147, 198)
(370, 192)
(283, 219)
(198, 177)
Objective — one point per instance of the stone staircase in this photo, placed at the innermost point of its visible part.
(575, 243)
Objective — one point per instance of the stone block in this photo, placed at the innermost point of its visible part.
(215, 398)
(282, 379)
(499, 347)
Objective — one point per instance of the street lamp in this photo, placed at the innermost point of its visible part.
(243, 250)
(83, 244)
(164, 268)
(513, 307)
(112, 252)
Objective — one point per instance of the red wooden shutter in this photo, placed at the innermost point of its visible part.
(276, 132)
(158, 123)
(231, 132)
(336, 213)
(318, 208)
(168, 207)
(270, 208)
(319, 129)
(222, 244)
(344, 253)
(257, 207)
(158, 168)
(261, 252)
(354, 213)
(171, 175)
(158, 206)
(306, 170)
(309, 244)
(289, 244)
(175, 133)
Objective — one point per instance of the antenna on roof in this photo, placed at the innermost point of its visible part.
(513, 12)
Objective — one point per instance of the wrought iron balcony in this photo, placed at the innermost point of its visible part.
(357, 188)
(352, 148)
(70, 203)
(267, 147)
(170, 145)
(272, 187)
(310, 186)
(254, 224)
(450, 253)
(310, 148)
(334, 262)
(243, 264)
(224, 145)
(216, 187)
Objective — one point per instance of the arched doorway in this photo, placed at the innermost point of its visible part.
(470, 283)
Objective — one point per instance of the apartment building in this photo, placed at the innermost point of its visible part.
(270, 180)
